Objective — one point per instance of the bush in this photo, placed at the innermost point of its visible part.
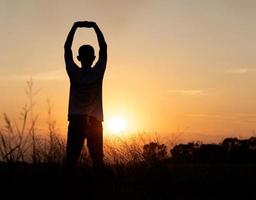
(154, 152)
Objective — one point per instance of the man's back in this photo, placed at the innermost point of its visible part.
(85, 113)
(86, 82)
(86, 90)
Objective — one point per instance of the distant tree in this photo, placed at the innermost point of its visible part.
(231, 150)
(252, 143)
(252, 148)
(185, 152)
(235, 149)
(230, 143)
(210, 153)
(240, 150)
(154, 151)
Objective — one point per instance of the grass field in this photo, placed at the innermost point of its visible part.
(139, 181)
(32, 167)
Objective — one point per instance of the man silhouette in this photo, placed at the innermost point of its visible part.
(85, 112)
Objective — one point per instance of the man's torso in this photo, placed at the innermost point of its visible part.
(85, 96)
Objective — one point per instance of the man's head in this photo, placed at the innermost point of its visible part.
(86, 55)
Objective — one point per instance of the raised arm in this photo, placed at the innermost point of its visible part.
(101, 63)
(101, 39)
(102, 44)
(68, 44)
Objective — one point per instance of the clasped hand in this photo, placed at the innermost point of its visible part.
(84, 24)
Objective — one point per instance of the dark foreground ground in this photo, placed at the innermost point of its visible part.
(138, 181)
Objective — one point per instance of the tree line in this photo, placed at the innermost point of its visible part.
(230, 150)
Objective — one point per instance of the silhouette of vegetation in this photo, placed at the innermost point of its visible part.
(231, 150)
(21, 143)
(184, 152)
(32, 164)
(153, 152)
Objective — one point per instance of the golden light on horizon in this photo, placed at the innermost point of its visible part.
(116, 125)
(195, 71)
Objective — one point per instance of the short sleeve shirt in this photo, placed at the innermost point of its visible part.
(85, 96)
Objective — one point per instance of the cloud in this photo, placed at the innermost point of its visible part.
(54, 75)
(204, 116)
(237, 117)
(239, 71)
(187, 92)
(248, 117)
(250, 121)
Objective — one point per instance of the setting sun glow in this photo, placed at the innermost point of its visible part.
(116, 125)
(192, 75)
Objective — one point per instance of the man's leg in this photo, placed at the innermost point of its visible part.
(95, 143)
(75, 142)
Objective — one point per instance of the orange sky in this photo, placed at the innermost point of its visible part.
(173, 65)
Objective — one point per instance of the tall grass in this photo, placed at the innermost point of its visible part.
(23, 144)
(20, 142)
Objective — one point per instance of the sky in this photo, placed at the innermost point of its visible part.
(173, 66)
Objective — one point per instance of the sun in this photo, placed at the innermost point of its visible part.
(116, 125)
